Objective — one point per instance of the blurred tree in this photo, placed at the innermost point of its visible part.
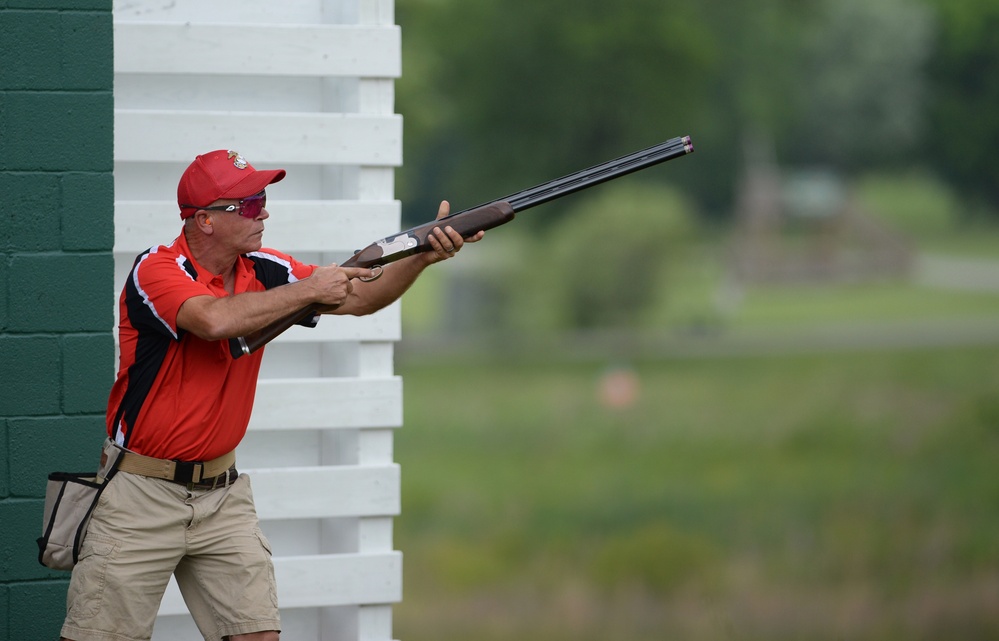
(963, 135)
(501, 95)
(504, 95)
(609, 260)
(861, 86)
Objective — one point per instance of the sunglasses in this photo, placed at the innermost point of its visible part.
(249, 207)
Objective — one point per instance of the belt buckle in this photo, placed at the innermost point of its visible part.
(184, 471)
(216, 482)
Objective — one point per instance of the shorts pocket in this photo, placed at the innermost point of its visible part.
(86, 588)
(266, 545)
(263, 541)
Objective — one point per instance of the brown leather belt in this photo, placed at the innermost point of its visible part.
(220, 471)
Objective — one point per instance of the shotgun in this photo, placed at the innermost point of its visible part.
(470, 221)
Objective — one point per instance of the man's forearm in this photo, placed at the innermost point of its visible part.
(396, 279)
(213, 318)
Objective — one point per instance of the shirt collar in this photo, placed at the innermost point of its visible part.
(244, 266)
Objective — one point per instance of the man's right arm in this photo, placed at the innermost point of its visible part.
(211, 318)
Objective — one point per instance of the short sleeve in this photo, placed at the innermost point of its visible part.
(274, 268)
(156, 289)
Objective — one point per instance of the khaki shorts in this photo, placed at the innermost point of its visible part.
(143, 530)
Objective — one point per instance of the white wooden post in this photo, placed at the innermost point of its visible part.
(307, 85)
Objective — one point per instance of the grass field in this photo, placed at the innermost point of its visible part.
(850, 495)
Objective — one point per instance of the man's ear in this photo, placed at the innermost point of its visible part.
(204, 221)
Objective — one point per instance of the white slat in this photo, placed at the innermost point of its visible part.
(323, 580)
(294, 225)
(376, 12)
(288, 404)
(302, 138)
(285, 50)
(369, 447)
(340, 579)
(384, 325)
(225, 93)
(327, 491)
(374, 622)
(231, 11)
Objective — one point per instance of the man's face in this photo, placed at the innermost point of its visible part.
(242, 228)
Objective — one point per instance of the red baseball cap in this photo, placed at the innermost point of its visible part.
(222, 173)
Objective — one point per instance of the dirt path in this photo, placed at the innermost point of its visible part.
(950, 272)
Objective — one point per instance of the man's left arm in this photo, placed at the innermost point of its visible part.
(371, 296)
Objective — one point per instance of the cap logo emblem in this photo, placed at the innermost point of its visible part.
(239, 162)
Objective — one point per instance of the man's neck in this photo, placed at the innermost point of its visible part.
(208, 255)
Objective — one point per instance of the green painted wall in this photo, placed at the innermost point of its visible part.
(56, 278)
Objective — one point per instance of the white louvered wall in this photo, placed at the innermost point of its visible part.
(306, 85)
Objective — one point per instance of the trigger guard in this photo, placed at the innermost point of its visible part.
(378, 274)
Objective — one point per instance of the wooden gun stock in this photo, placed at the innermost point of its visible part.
(471, 221)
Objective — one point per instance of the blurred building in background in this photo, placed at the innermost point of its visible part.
(804, 226)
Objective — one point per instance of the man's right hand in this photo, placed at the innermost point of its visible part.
(333, 284)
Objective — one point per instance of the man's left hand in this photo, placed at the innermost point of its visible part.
(447, 242)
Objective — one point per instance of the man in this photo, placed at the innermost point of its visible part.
(175, 504)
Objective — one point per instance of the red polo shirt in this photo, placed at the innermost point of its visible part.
(177, 396)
